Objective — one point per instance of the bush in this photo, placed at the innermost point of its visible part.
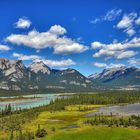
(40, 132)
(53, 129)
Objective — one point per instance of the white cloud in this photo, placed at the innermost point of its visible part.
(128, 22)
(49, 39)
(61, 63)
(104, 65)
(125, 22)
(23, 23)
(130, 32)
(94, 21)
(134, 61)
(4, 47)
(96, 45)
(112, 65)
(57, 29)
(126, 54)
(69, 48)
(25, 57)
(137, 21)
(112, 14)
(104, 53)
(118, 50)
(109, 16)
(99, 65)
(50, 63)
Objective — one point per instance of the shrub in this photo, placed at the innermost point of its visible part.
(40, 132)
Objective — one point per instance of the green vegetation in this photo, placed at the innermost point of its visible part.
(65, 118)
(118, 97)
(97, 133)
(82, 107)
(115, 121)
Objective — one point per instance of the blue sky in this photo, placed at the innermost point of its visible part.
(88, 35)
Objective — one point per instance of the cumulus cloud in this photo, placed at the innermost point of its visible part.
(104, 65)
(57, 29)
(23, 22)
(50, 63)
(109, 16)
(4, 47)
(96, 45)
(53, 38)
(118, 50)
(69, 48)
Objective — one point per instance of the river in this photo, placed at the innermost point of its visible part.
(41, 99)
(120, 110)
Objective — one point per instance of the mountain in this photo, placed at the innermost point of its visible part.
(14, 75)
(69, 79)
(118, 78)
(40, 67)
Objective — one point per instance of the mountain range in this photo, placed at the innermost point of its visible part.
(127, 78)
(14, 75)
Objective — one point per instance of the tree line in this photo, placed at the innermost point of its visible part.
(112, 121)
(114, 97)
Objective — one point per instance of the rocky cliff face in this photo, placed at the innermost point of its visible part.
(14, 75)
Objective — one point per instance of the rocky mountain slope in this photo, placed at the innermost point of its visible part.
(14, 75)
(120, 78)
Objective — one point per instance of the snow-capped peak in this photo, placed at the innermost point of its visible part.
(112, 72)
(93, 76)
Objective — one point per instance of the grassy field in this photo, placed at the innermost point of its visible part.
(82, 107)
(97, 133)
(62, 120)
(69, 125)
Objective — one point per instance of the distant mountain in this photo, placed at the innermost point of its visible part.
(14, 75)
(118, 78)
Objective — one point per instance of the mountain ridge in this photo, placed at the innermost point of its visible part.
(120, 78)
(14, 75)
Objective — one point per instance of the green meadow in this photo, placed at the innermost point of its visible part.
(69, 125)
(66, 119)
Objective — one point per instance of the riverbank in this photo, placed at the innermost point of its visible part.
(18, 98)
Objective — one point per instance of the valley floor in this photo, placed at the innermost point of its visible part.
(67, 118)
(69, 125)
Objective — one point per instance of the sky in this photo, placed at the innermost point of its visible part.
(87, 35)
